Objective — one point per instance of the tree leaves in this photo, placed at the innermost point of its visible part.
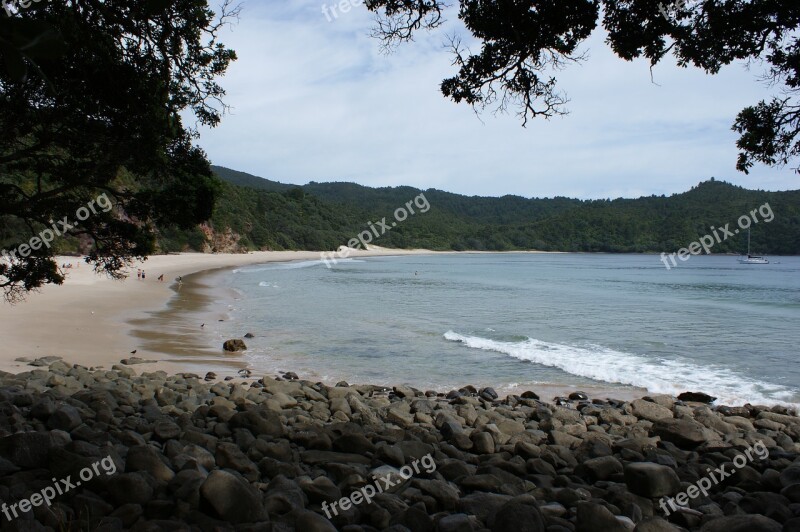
(25, 41)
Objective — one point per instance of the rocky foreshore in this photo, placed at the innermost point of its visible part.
(282, 454)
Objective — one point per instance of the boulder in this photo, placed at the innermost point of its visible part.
(696, 397)
(684, 433)
(651, 480)
(601, 468)
(742, 523)
(149, 460)
(593, 517)
(520, 514)
(232, 499)
(234, 345)
(129, 488)
(650, 411)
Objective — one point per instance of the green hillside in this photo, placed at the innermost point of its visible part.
(254, 213)
(648, 224)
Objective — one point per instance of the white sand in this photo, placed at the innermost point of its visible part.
(86, 320)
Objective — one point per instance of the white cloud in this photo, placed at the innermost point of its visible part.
(316, 100)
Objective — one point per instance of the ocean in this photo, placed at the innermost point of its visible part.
(518, 321)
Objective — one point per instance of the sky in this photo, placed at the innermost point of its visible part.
(313, 98)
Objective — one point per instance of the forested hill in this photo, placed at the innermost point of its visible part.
(271, 215)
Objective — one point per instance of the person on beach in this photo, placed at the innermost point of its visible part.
(139, 274)
(142, 275)
(161, 278)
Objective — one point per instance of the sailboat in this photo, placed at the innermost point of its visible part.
(751, 259)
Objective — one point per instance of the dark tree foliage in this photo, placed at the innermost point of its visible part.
(91, 98)
(523, 42)
(271, 215)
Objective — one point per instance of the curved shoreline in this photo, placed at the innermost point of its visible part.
(204, 355)
(96, 322)
(88, 319)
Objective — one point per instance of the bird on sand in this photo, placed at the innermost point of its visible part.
(134, 351)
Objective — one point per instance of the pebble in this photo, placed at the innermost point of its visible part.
(204, 454)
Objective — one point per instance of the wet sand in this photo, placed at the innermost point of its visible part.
(94, 321)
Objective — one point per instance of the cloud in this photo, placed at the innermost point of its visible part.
(316, 100)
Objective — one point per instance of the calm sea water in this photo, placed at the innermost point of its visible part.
(518, 320)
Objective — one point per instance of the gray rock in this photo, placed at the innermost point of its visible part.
(27, 449)
(44, 361)
(482, 504)
(128, 514)
(484, 443)
(790, 475)
(353, 443)
(651, 480)
(65, 418)
(312, 522)
(149, 460)
(455, 523)
(229, 455)
(791, 492)
(444, 493)
(284, 495)
(132, 361)
(234, 345)
(400, 415)
(650, 411)
(321, 489)
(232, 499)
(696, 397)
(682, 432)
(322, 457)
(742, 523)
(404, 391)
(655, 524)
(43, 408)
(594, 517)
(166, 430)
(7, 467)
(260, 422)
(129, 488)
(488, 394)
(601, 468)
(527, 450)
(520, 514)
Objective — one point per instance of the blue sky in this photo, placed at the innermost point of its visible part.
(316, 100)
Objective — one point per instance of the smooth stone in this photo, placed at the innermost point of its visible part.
(742, 523)
(696, 397)
(651, 480)
(233, 499)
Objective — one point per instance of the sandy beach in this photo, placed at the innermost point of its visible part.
(96, 321)
(92, 320)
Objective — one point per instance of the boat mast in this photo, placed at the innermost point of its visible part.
(748, 241)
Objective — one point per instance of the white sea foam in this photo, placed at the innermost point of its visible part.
(294, 265)
(656, 375)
